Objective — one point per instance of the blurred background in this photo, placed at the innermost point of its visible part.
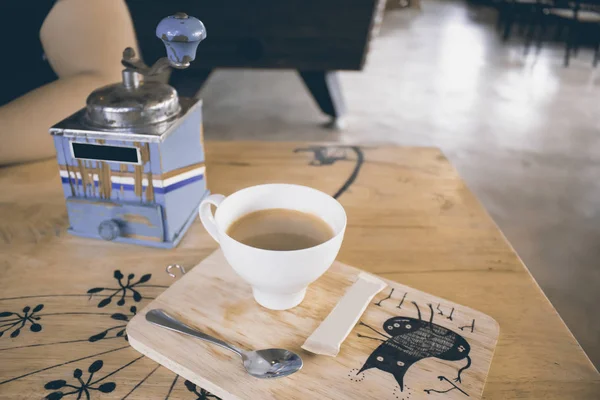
(486, 82)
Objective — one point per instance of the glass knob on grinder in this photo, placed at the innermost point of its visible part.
(181, 35)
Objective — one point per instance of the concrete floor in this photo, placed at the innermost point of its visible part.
(522, 131)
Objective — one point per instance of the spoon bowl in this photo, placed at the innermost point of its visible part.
(271, 363)
(268, 363)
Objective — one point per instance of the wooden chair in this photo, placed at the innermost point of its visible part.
(575, 16)
(522, 12)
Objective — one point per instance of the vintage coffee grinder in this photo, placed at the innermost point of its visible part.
(132, 161)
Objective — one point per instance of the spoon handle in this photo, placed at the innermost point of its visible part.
(161, 318)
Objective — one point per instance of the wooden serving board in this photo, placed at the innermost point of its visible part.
(422, 356)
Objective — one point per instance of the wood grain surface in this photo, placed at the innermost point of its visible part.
(408, 344)
(411, 219)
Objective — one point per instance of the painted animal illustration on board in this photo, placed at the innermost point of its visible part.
(410, 340)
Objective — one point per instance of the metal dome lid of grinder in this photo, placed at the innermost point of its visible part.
(136, 102)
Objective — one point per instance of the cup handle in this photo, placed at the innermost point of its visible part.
(206, 215)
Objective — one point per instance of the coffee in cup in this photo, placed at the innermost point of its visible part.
(280, 229)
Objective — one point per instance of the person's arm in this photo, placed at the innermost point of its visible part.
(84, 41)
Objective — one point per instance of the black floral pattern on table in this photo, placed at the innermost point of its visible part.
(83, 385)
(122, 289)
(201, 393)
(10, 320)
(80, 387)
(119, 333)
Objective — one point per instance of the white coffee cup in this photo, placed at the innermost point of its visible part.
(278, 278)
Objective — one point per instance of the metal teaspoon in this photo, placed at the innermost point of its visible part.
(268, 363)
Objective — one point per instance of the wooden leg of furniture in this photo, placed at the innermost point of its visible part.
(501, 17)
(568, 44)
(508, 23)
(189, 82)
(541, 33)
(575, 28)
(558, 33)
(596, 52)
(521, 21)
(327, 92)
(532, 23)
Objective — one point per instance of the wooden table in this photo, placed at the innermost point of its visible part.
(411, 219)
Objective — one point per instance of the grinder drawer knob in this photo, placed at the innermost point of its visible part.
(109, 230)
